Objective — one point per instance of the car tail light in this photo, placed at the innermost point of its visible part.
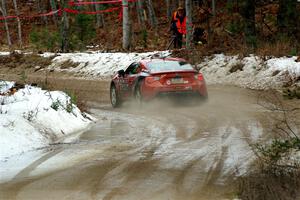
(199, 77)
(151, 79)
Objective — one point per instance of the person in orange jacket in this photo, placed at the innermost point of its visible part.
(178, 26)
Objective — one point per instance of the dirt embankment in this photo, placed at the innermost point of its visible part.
(85, 90)
(33, 69)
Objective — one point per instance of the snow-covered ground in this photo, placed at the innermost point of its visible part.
(33, 118)
(97, 64)
(4, 53)
(251, 72)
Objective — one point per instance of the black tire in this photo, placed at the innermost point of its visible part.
(115, 99)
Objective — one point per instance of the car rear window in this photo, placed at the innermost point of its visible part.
(163, 66)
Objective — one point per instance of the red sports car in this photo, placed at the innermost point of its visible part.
(150, 78)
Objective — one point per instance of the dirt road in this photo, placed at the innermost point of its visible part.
(160, 151)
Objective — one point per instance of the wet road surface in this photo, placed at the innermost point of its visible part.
(158, 151)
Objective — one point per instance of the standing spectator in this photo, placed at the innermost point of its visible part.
(178, 26)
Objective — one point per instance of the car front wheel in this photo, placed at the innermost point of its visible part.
(114, 97)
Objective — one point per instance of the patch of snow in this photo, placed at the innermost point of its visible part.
(285, 64)
(255, 73)
(32, 118)
(238, 154)
(4, 53)
(47, 54)
(97, 64)
(256, 131)
(12, 167)
(5, 86)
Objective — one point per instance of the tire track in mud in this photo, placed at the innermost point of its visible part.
(24, 176)
(138, 165)
(227, 134)
(145, 149)
(188, 131)
(179, 137)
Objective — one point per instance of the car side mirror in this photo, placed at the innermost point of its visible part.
(121, 72)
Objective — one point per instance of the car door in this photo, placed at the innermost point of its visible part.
(128, 80)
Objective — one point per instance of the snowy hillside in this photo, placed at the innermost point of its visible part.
(251, 72)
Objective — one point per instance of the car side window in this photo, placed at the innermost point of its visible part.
(132, 69)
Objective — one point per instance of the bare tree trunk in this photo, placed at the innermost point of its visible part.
(248, 13)
(64, 29)
(19, 23)
(126, 25)
(99, 17)
(189, 28)
(169, 12)
(213, 7)
(140, 12)
(209, 31)
(153, 20)
(4, 14)
(54, 8)
(41, 10)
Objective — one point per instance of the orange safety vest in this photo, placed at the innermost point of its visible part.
(181, 27)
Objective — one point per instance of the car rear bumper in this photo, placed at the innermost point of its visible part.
(181, 95)
(198, 89)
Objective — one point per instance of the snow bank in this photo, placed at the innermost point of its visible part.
(99, 64)
(32, 118)
(250, 72)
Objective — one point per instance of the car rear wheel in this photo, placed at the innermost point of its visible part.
(114, 97)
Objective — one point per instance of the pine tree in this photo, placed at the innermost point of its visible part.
(288, 17)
